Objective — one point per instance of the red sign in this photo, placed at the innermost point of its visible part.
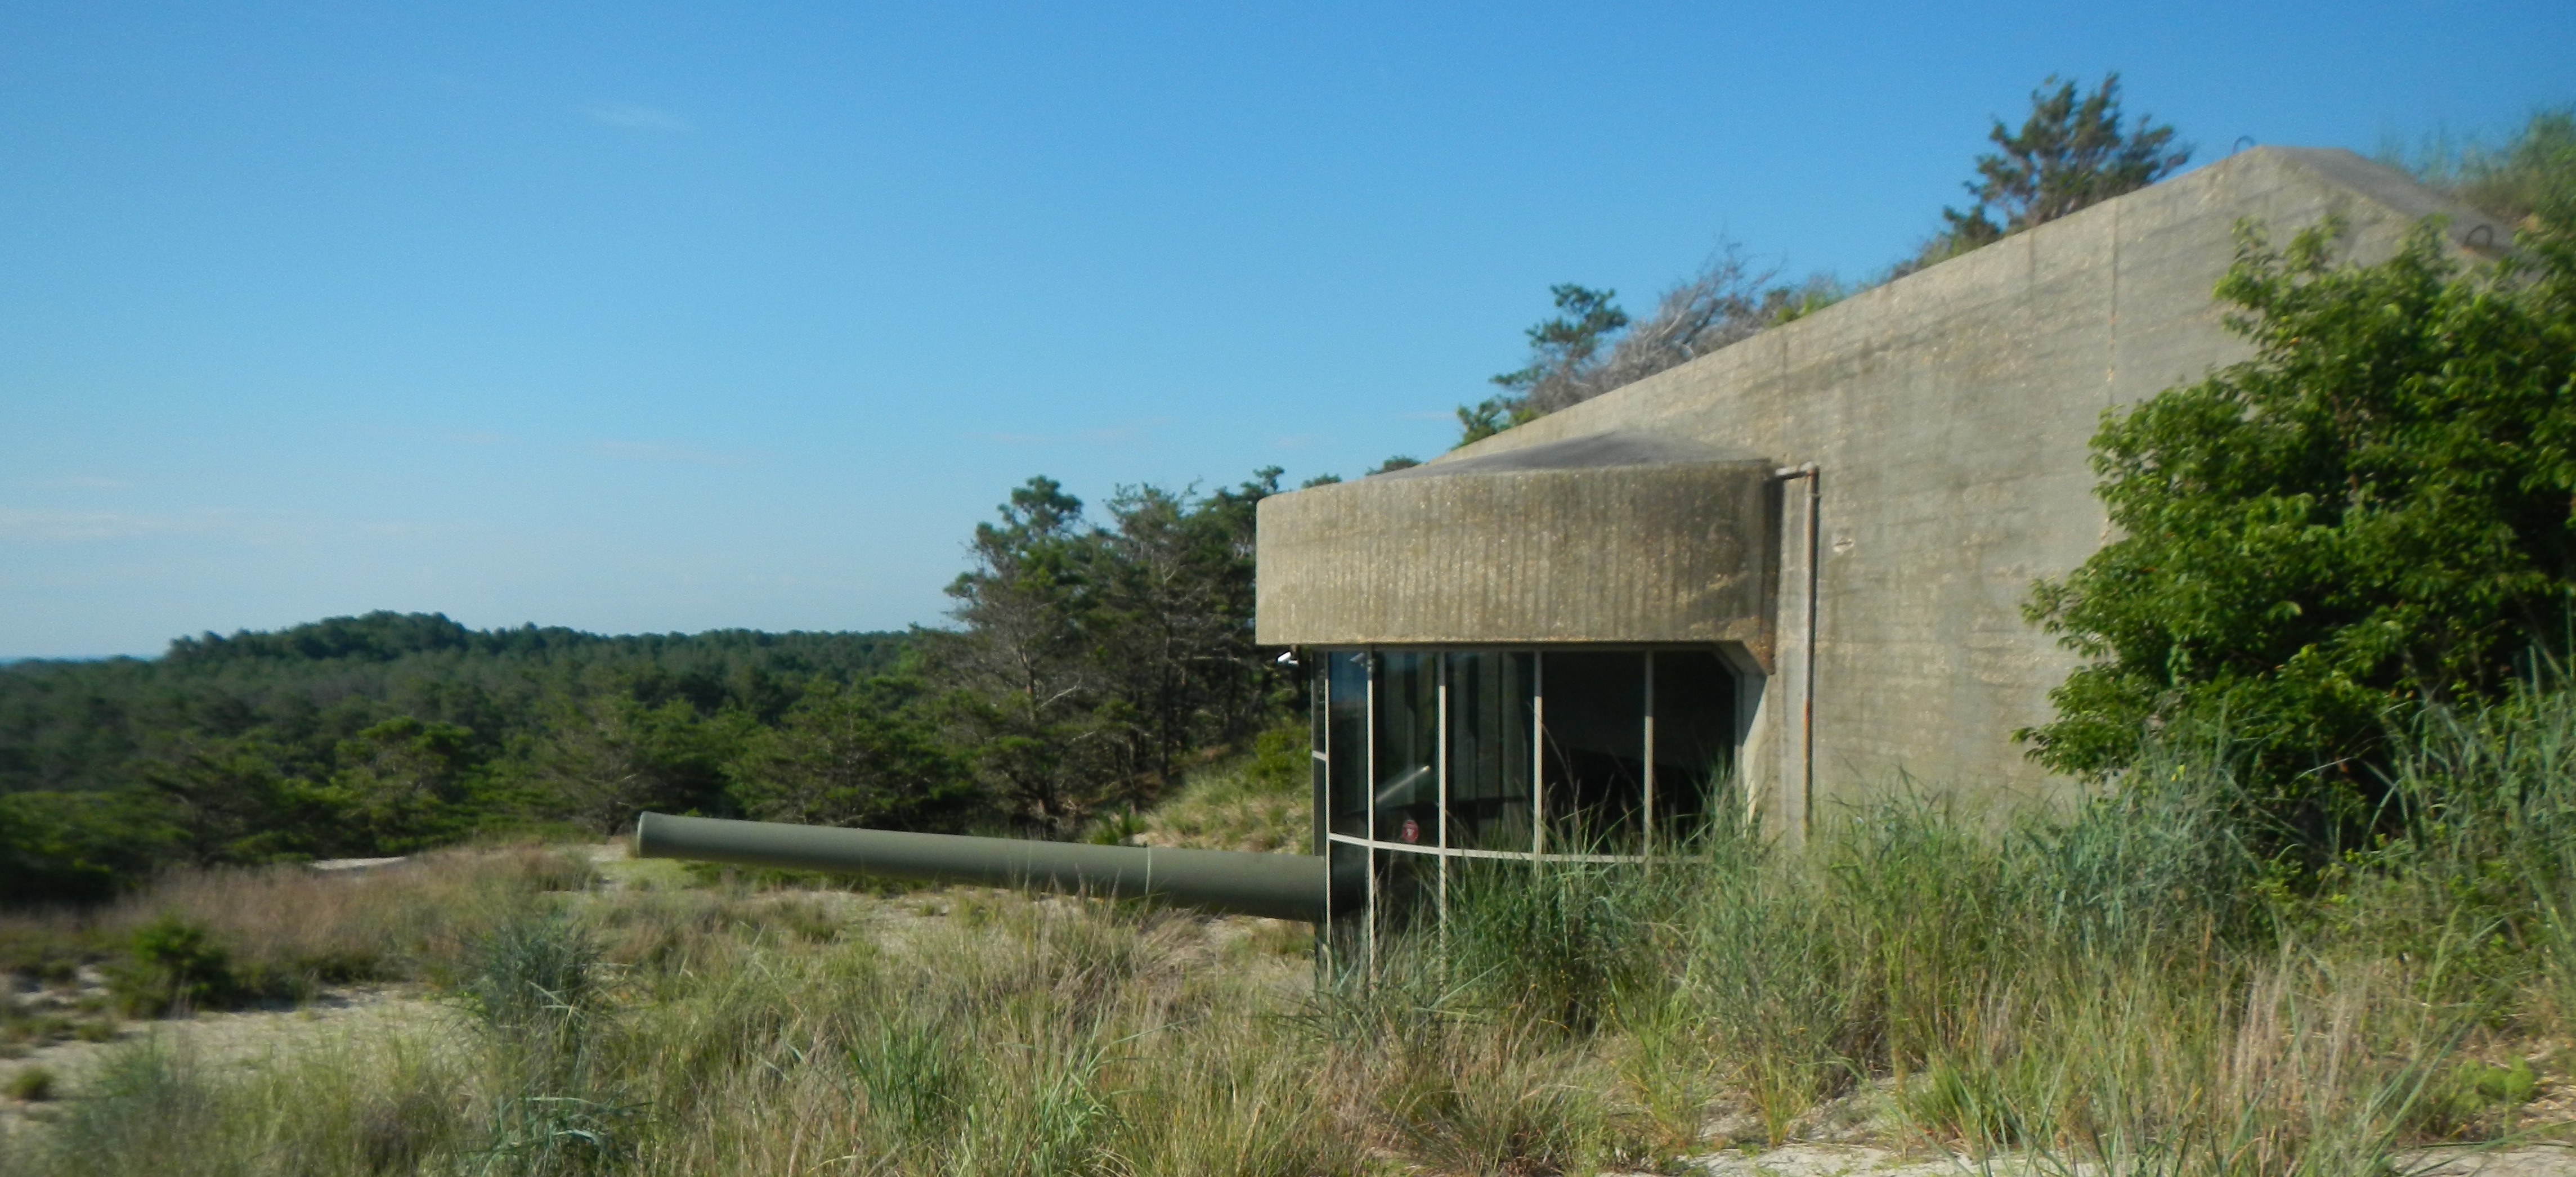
(1410, 831)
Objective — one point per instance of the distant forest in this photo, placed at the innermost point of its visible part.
(1090, 667)
(380, 734)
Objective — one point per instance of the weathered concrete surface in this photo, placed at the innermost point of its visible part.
(1950, 413)
(1599, 539)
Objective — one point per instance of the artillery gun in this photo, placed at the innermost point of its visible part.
(1279, 886)
(1429, 767)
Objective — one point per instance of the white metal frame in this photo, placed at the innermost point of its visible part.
(1441, 852)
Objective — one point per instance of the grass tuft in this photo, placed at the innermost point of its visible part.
(31, 1085)
(2119, 986)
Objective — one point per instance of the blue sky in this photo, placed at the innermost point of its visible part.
(646, 317)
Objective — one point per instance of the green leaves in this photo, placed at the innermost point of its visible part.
(1569, 340)
(861, 755)
(2070, 153)
(78, 846)
(2372, 512)
(403, 780)
(2073, 153)
(1094, 660)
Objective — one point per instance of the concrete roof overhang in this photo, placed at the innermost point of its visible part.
(1621, 536)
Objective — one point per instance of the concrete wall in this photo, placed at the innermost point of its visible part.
(1654, 552)
(1950, 413)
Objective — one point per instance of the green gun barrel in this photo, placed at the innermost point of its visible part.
(1280, 886)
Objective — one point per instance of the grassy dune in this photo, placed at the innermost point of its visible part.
(2124, 983)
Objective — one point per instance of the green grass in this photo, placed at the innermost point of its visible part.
(1257, 800)
(2120, 982)
(31, 1085)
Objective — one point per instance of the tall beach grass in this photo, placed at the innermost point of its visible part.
(2127, 981)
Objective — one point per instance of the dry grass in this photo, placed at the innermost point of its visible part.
(276, 934)
(1258, 801)
(2118, 988)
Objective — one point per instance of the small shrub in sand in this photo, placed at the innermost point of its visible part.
(31, 1085)
(175, 967)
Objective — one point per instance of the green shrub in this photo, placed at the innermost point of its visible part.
(531, 974)
(1255, 800)
(175, 967)
(2369, 514)
(1116, 827)
(1280, 761)
(2475, 1090)
(31, 1085)
(2530, 180)
(78, 847)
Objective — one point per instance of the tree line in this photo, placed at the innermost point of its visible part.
(1090, 666)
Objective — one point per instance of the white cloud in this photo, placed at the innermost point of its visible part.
(40, 526)
(640, 118)
(74, 482)
(661, 451)
(45, 526)
(256, 528)
(1113, 435)
(448, 436)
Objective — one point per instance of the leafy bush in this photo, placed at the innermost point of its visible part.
(2371, 513)
(175, 967)
(2476, 1090)
(77, 847)
(855, 756)
(2531, 180)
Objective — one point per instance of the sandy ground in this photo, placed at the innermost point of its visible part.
(236, 1038)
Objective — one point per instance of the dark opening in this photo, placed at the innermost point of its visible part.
(1695, 737)
(1346, 741)
(1596, 750)
(1489, 749)
(1407, 794)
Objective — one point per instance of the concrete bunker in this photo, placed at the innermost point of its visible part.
(1845, 513)
(1784, 575)
(1546, 654)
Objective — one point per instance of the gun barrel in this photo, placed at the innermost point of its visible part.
(1280, 886)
